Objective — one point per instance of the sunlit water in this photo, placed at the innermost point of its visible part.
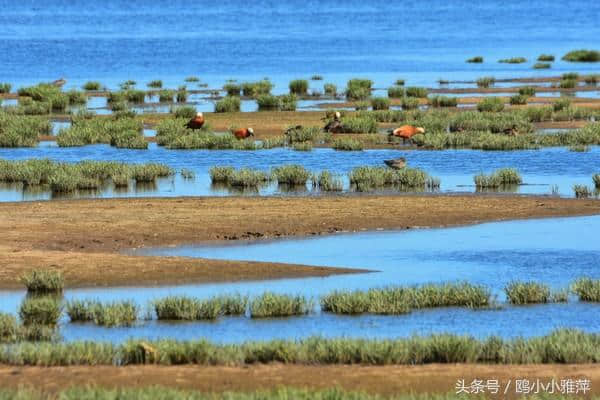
(555, 251)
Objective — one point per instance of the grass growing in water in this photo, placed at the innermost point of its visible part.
(5, 87)
(21, 130)
(490, 104)
(244, 177)
(518, 99)
(486, 81)
(186, 308)
(40, 310)
(92, 85)
(358, 89)
(443, 101)
(476, 59)
(270, 305)
(347, 144)
(513, 60)
(232, 89)
(541, 65)
(582, 191)
(396, 92)
(546, 57)
(302, 146)
(596, 179)
(43, 281)
(155, 84)
(330, 89)
(228, 104)
(186, 112)
(371, 178)
(416, 91)
(118, 313)
(527, 293)
(582, 56)
(291, 174)
(327, 182)
(380, 103)
(252, 89)
(501, 177)
(123, 132)
(409, 103)
(528, 91)
(587, 289)
(299, 87)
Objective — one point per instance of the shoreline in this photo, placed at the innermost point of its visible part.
(86, 238)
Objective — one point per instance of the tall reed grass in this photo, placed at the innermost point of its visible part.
(270, 305)
(43, 281)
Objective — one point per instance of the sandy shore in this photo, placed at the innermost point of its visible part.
(86, 238)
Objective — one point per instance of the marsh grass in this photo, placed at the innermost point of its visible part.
(486, 81)
(409, 103)
(579, 148)
(92, 85)
(272, 305)
(358, 89)
(9, 328)
(302, 146)
(278, 103)
(380, 103)
(252, 89)
(490, 104)
(5, 87)
(186, 308)
(112, 314)
(499, 178)
(192, 78)
(565, 346)
(232, 89)
(476, 59)
(587, 289)
(372, 178)
(567, 83)
(123, 132)
(243, 177)
(546, 57)
(582, 191)
(301, 134)
(22, 130)
(330, 89)
(443, 101)
(299, 87)
(328, 182)
(361, 105)
(416, 91)
(596, 180)
(40, 310)
(291, 174)
(519, 293)
(396, 92)
(359, 124)
(43, 281)
(528, 91)
(518, 99)
(513, 60)
(187, 112)
(181, 95)
(542, 65)
(128, 84)
(347, 144)
(561, 104)
(155, 84)
(228, 104)
(582, 56)
(166, 95)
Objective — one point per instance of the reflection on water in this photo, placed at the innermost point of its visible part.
(555, 251)
(541, 169)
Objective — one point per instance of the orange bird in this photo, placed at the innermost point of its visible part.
(243, 133)
(197, 122)
(406, 132)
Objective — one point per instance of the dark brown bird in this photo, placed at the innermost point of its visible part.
(335, 125)
(197, 122)
(59, 82)
(397, 163)
(243, 133)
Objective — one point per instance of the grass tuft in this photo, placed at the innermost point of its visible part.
(270, 305)
(476, 60)
(43, 281)
(582, 56)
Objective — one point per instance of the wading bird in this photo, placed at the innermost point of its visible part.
(243, 133)
(197, 122)
(406, 132)
(397, 163)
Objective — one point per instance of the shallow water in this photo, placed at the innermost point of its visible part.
(287, 40)
(555, 251)
(541, 169)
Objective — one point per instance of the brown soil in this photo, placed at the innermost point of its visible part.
(383, 380)
(84, 237)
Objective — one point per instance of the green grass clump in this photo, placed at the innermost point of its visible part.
(561, 104)
(288, 102)
(118, 313)
(186, 308)
(380, 103)
(485, 81)
(22, 130)
(567, 83)
(541, 65)
(396, 92)
(546, 58)
(271, 143)
(192, 78)
(527, 293)
(518, 99)
(582, 56)
(270, 305)
(155, 84)
(299, 87)
(596, 179)
(187, 112)
(121, 132)
(592, 79)
(302, 146)
(443, 101)
(499, 178)
(359, 124)
(44, 310)
(370, 178)
(267, 102)
(330, 89)
(92, 85)
(9, 328)
(244, 177)
(327, 182)
(166, 96)
(528, 91)
(579, 148)
(513, 60)
(128, 84)
(582, 191)
(347, 144)
(252, 89)
(476, 59)
(587, 289)
(228, 104)
(232, 89)
(358, 89)
(416, 91)
(570, 76)
(5, 87)
(409, 103)
(316, 78)
(301, 134)
(42, 281)
(490, 104)
(291, 174)
(399, 82)
(361, 105)
(181, 95)
(173, 134)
